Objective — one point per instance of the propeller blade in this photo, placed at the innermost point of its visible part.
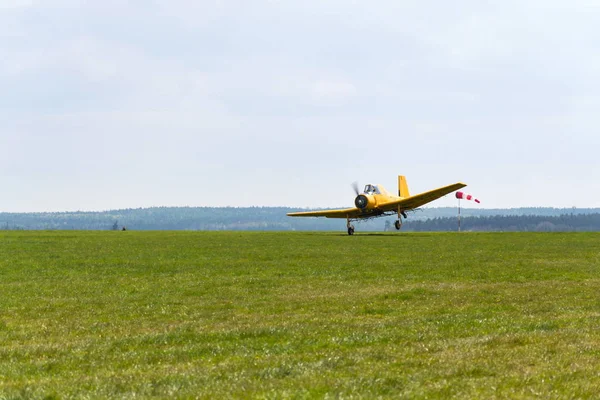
(355, 187)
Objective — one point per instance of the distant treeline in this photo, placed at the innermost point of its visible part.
(512, 223)
(274, 218)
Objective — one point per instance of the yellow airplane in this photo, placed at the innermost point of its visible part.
(375, 202)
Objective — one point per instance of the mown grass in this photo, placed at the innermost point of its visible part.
(299, 315)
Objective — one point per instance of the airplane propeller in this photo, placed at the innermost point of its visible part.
(361, 200)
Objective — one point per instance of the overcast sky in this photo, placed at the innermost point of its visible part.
(125, 104)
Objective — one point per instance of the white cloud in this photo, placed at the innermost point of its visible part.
(333, 92)
(11, 4)
(248, 93)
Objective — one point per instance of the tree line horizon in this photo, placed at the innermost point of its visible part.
(540, 219)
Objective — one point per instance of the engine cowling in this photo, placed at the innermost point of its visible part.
(364, 202)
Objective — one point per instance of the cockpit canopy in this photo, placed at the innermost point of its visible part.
(371, 189)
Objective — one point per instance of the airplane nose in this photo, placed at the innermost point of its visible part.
(361, 201)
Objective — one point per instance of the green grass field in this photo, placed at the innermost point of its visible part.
(299, 315)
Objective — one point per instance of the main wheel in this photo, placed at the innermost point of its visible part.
(350, 230)
(398, 225)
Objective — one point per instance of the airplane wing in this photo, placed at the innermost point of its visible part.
(420, 199)
(345, 213)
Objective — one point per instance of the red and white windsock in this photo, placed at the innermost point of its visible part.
(462, 195)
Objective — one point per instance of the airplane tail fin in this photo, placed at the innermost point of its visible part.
(402, 187)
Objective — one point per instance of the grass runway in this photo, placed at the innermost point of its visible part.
(299, 315)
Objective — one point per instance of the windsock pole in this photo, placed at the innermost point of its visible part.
(459, 215)
(461, 195)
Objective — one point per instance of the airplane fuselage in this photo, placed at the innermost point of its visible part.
(372, 196)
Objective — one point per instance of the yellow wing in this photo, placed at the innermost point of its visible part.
(420, 199)
(407, 203)
(345, 213)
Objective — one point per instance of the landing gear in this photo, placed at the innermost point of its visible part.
(349, 226)
(398, 224)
